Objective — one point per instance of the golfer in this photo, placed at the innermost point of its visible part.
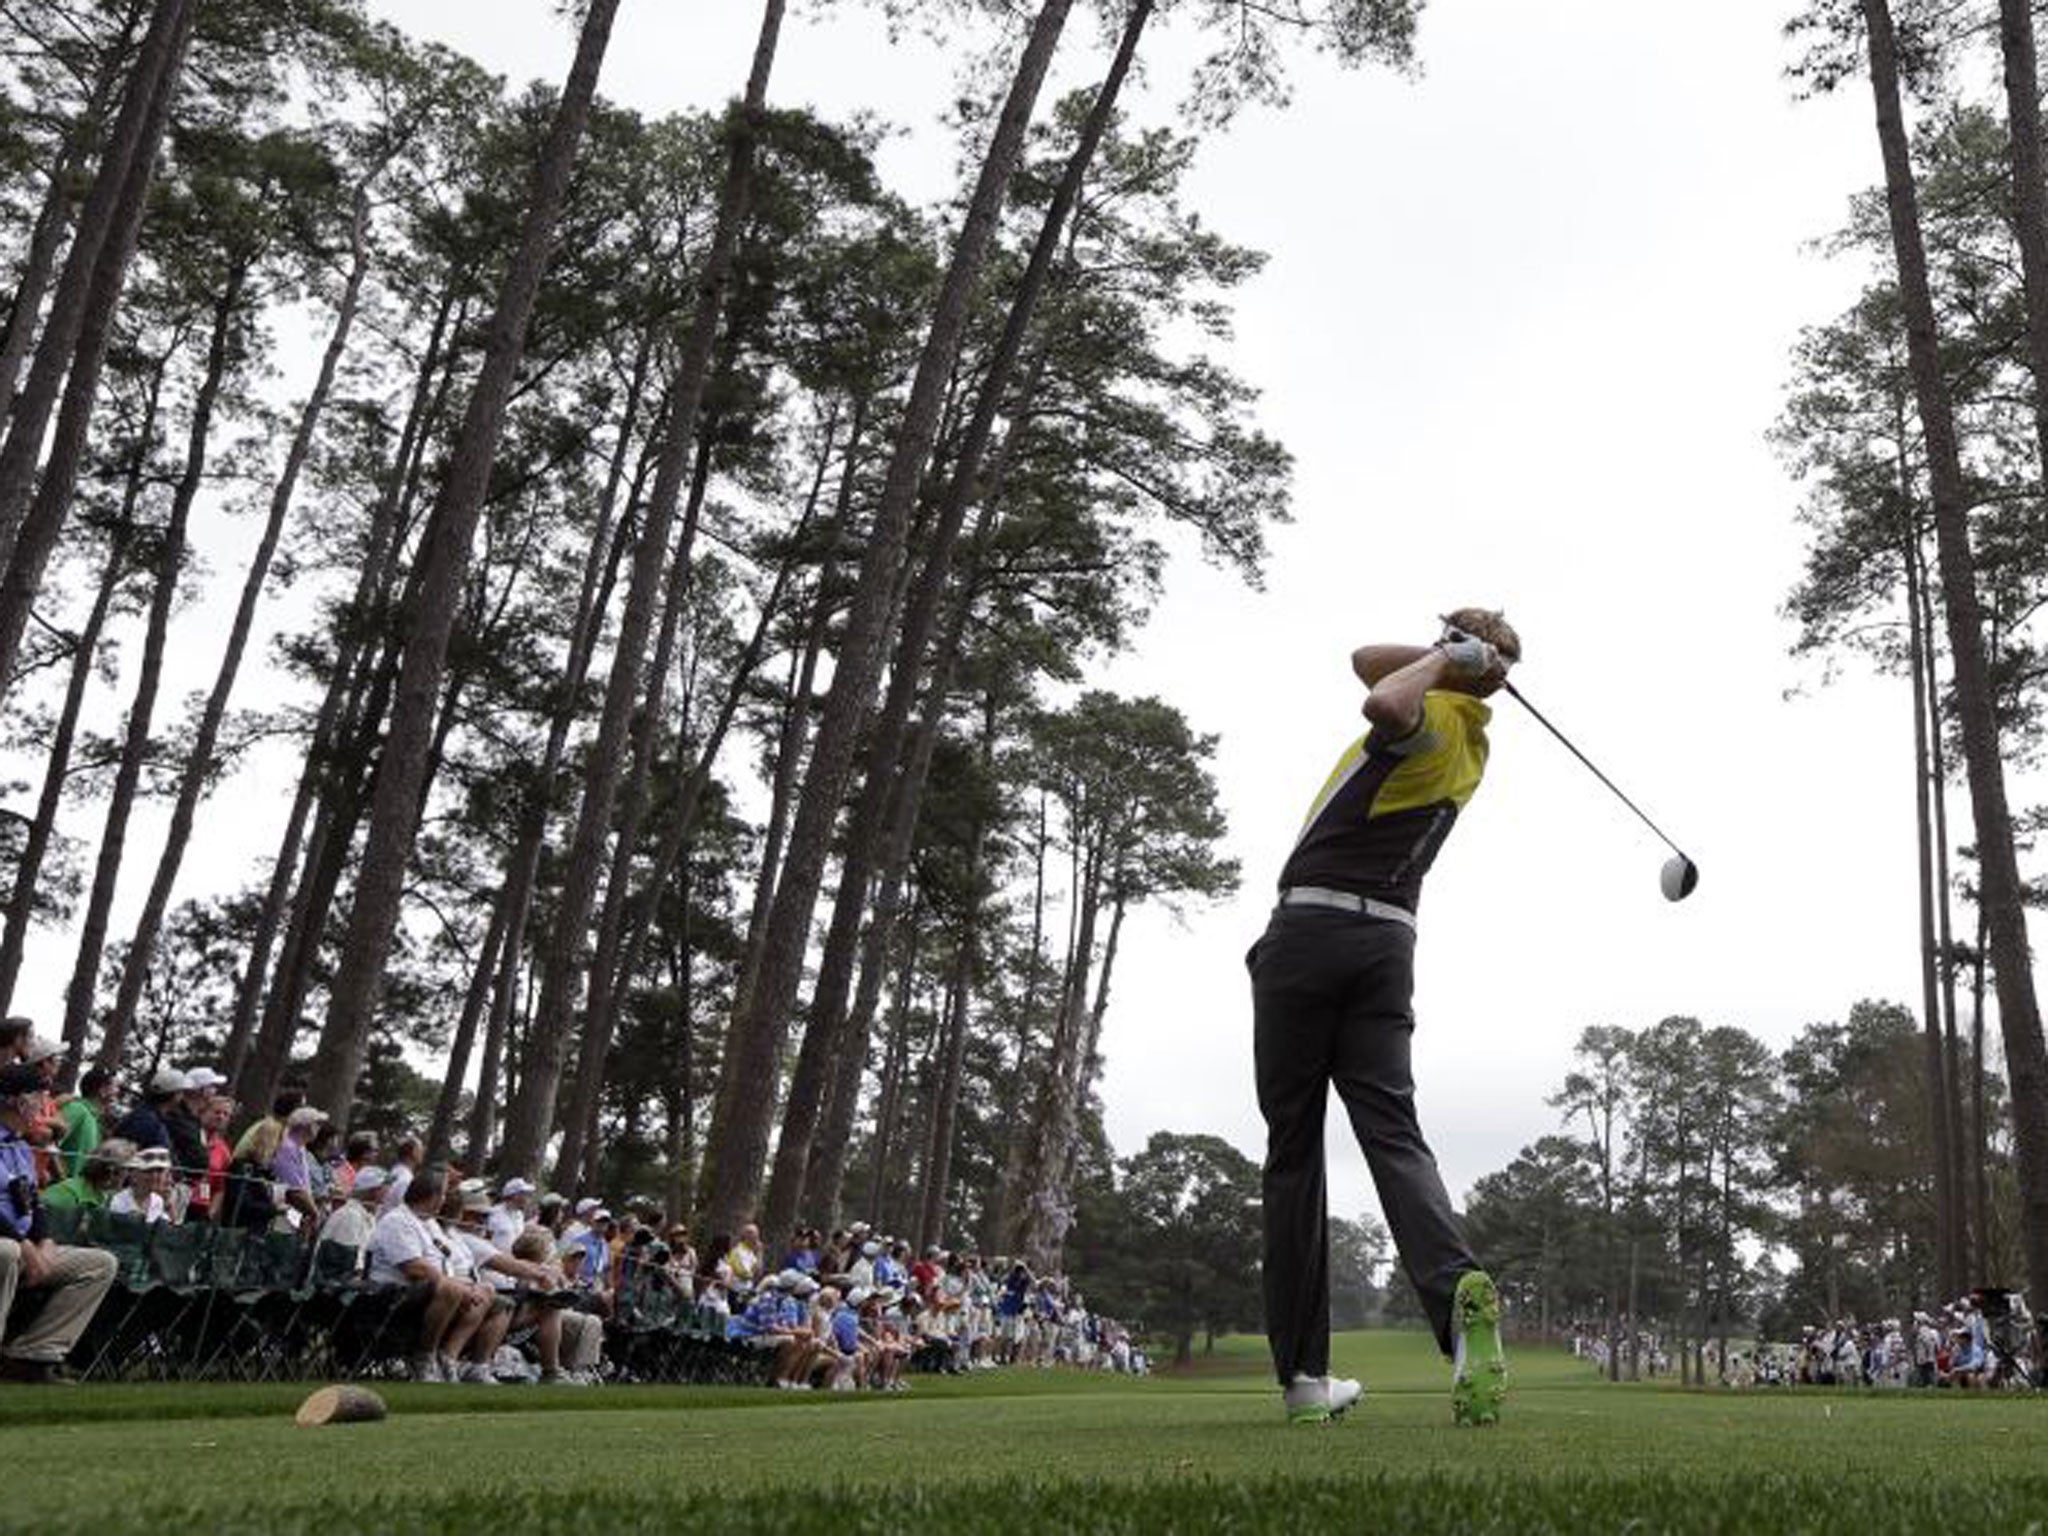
(1331, 981)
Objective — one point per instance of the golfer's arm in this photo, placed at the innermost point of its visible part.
(1395, 702)
(1375, 663)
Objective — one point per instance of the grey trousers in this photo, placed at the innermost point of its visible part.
(77, 1283)
(1330, 1009)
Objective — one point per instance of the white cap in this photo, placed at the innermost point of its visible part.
(200, 1078)
(871, 1250)
(586, 1205)
(470, 1187)
(306, 1115)
(371, 1179)
(169, 1080)
(42, 1048)
(151, 1157)
(513, 1188)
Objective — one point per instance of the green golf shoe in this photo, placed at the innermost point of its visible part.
(1479, 1369)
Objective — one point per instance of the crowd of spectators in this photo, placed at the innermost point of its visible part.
(488, 1284)
(1985, 1339)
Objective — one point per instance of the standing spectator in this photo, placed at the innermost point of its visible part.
(289, 1098)
(291, 1166)
(924, 1274)
(181, 1119)
(1010, 1319)
(147, 1192)
(102, 1175)
(352, 1222)
(405, 1162)
(145, 1124)
(251, 1200)
(409, 1248)
(87, 1114)
(209, 1192)
(508, 1217)
(360, 1152)
(77, 1278)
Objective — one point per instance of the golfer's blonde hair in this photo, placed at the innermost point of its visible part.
(1490, 625)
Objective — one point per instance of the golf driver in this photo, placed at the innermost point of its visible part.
(1680, 874)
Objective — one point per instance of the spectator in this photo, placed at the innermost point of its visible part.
(577, 1337)
(477, 1358)
(209, 1191)
(288, 1099)
(892, 1269)
(323, 1152)
(358, 1154)
(291, 1166)
(883, 1337)
(861, 1272)
(803, 1256)
(408, 1248)
(351, 1223)
(924, 1274)
(743, 1261)
(147, 1192)
(91, 1188)
(405, 1162)
(145, 1124)
(682, 1260)
(181, 1120)
(251, 1200)
(87, 1114)
(47, 1057)
(1010, 1319)
(548, 1211)
(77, 1278)
(508, 1217)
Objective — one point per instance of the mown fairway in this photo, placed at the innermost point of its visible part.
(1042, 1450)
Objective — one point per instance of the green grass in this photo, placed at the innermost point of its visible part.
(1203, 1451)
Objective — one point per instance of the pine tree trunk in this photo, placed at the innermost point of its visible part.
(73, 346)
(372, 577)
(1936, 1064)
(895, 1056)
(441, 1129)
(2029, 194)
(1944, 928)
(57, 766)
(74, 337)
(1042, 1217)
(444, 558)
(135, 746)
(1980, 1185)
(39, 262)
(199, 762)
(2003, 892)
(542, 1070)
(745, 1106)
(1010, 1154)
(827, 1024)
(528, 1118)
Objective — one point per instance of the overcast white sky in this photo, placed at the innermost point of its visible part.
(1524, 327)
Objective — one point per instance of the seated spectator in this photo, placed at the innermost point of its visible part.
(836, 1327)
(882, 1334)
(409, 1249)
(92, 1188)
(147, 1192)
(744, 1261)
(861, 1272)
(776, 1321)
(323, 1153)
(87, 1115)
(682, 1261)
(352, 1222)
(802, 1253)
(406, 1155)
(586, 1252)
(77, 1278)
(892, 1269)
(549, 1210)
(569, 1341)
(145, 1124)
(508, 1217)
(477, 1359)
(291, 1167)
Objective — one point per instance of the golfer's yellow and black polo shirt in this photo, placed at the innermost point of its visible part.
(1387, 807)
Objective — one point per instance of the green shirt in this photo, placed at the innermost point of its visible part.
(72, 1194)
(81, 1134)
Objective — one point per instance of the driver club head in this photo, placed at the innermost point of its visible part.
(1679, 877)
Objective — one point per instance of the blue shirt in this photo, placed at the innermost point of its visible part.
(763, 1314)
(144, 1126)
(17, 1186)
(804, 1261)
(846, 1329)
(791, 1313)
(888, 1272)
(1012, 1302)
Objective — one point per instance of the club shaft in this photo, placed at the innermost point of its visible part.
(1516, 694)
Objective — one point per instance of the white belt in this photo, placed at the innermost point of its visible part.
(1344, 901)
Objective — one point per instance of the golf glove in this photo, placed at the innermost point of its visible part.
(1469, 656)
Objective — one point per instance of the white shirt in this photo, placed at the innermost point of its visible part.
(398, 1239)
(350, 1226)
(125, 1204)
(393, 1197)
(505, 1225)
(482, 1250)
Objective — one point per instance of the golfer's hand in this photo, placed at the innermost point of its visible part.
(1470, 657)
